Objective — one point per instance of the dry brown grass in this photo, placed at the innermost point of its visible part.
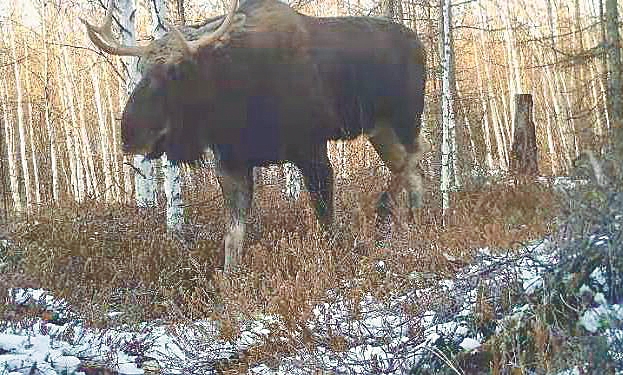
(102, 258)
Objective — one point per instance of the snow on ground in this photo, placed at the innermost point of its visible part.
(381, 333)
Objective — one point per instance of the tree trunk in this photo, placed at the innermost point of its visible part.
(103, 136)
(448, 145)
(496, 118)
(144, 181)
(172, 177)
(33, 153)
(10, 152)
(48, 122)
(524, 158)
(21, 127)
(87, 152)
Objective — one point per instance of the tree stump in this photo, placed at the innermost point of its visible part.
(524, 158)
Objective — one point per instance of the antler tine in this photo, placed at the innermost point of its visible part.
(205, 40)
(102, 37)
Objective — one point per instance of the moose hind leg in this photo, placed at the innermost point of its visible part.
(403, 162)
(318, 175)
(412, 173)
(237, 188)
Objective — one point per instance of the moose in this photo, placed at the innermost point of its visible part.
(265, 84)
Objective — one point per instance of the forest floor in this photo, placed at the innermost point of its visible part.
(93, 287)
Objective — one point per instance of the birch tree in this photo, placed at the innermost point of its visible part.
(448, 143)
(144, 181)
(103, 135)
(46, 106)
(87, 152)
(172, 178)
(21, 127)
(33, 153)
(10, 150)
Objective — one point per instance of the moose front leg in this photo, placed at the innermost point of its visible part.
(237, 187)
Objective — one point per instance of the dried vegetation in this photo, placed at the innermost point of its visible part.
(119, 258)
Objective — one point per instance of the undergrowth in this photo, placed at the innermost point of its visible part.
(104, 258)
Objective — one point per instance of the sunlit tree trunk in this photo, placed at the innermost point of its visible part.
(47, 99)
(515, 85)
(10, 151)
(73, 140)
(597, 102)
(87, 152)
(496, 117)
(552, 22)
(583, 131)
(559, 114)
(103, 136)
(448, 145)
(470, 134)
(145, 180)
(568, 121)
(70, 146)
(31, 137)
(172, 177)
(21, 127)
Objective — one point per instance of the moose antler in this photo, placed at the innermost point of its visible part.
(192, 46)
(102, 37)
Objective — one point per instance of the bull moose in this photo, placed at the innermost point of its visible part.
(266, 84)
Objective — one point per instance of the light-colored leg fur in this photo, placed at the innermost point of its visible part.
(237, 191)
(404, 165)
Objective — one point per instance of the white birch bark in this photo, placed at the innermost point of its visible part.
(558, 112)
(448, 145)
(73, 139)
(515, 85)
(87, 152)
(172, 178)
(33, 153)
(496, 118)
(48, 122)
(21, 127)
(10, 151)
(551, 149)
(569, 121)
(145, 180)
(293, 181)
(69, 144)
(597, 96)
(103, 136)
